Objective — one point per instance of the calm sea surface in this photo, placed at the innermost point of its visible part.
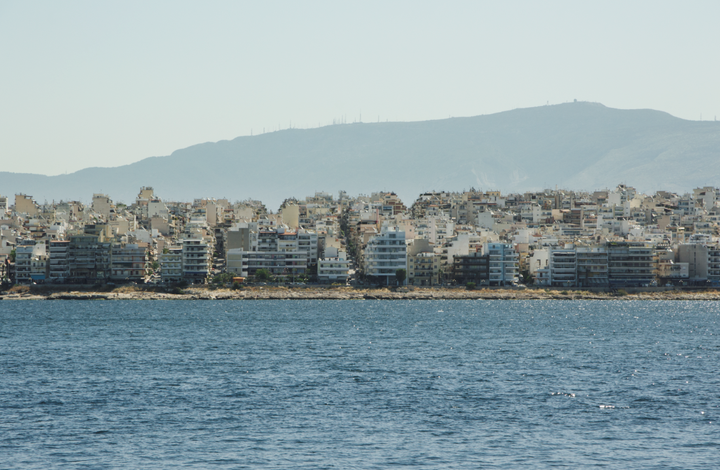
(359, 384)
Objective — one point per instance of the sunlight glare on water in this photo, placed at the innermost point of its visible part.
(366, 384)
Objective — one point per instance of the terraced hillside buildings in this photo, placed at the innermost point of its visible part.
(606, 239)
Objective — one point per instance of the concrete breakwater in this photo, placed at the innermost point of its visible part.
(349, 293)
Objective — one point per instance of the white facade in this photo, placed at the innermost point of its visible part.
(171, 265)
(563, 267)
(308, 242)
(157, 208)
(334, 269)
(504, 265)
(25, 254)
(385, 253)
(59, 269)
(287, 264)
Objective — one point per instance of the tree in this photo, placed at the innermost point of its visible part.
(262, 275)
(400, 275)
(223, 278)
(12, 256)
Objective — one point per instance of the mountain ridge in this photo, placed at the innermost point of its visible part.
(572, 145)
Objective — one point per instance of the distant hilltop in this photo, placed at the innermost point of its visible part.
(574, 145)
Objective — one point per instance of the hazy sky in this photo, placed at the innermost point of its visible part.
(88, 83)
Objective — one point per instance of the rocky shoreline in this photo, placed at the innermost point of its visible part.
(350, 293)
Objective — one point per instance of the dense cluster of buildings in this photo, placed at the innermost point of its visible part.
(605, 239)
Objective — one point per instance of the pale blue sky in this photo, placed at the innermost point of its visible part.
(87, 83)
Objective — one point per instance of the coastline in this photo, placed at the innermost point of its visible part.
(350, 293)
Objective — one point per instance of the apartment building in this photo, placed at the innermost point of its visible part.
(171, 268)
(334, 266)
(714, 263)
(631, 264)
(473, 267)
(129, 263)
(563, 266)
(592, 266)
(59, 268)
(88, 259)
(285, 264)
(385, 253)
(30, 261)
(503, 263)
(196, 260)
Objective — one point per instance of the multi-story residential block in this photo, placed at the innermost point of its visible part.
(333, 267)
(308, 242)
(563, 267)
(171, 269)
(696, 255)
(424, 264)
(234, 261)
(39, 268)
(473, 267)
(714, 263)
(504, 263)
(285, 264)
(244, 236)
(102, 205)
(196, 260)
(631, 264)
(25, 204)
(88, 259)
(129, 263)
(4, 206)
(59, 268)
(385, 253)
(30, 261)
(592, 266)
(424, 269)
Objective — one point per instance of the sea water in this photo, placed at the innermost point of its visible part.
(359, 384)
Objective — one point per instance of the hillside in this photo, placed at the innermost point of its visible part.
(573, 145)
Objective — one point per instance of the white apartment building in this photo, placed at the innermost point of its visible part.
(287, 264)
(504, 263)
(714, 263)
(334, 267)
(308, 242)
(59, 269)
(28, 253)
(171, 269)
(385, 253)
(157, 208)
(563, 267)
